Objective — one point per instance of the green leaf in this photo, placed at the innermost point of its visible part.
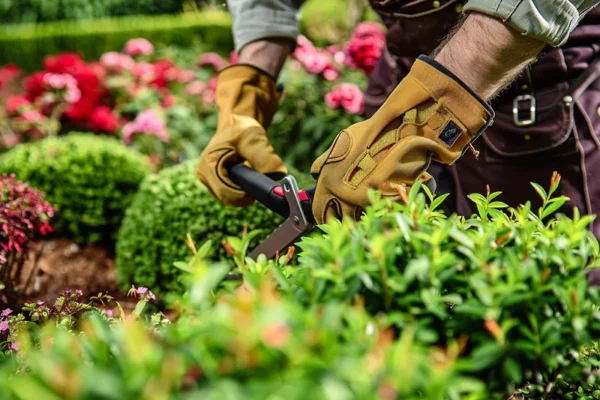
(552, 207)
(540, 191)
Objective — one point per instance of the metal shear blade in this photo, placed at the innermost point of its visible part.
(294, 227)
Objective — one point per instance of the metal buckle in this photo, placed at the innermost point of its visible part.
(532, 110)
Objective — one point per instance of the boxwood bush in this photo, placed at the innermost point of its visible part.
(89, 179)
(168, 207)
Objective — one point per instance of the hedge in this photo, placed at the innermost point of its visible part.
(169, 206)
(89, 179)
(27, 44)
(22, 11)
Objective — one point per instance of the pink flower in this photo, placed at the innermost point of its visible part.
(64, 82)
(33, 116)
(109, 313)
(144, 71)
(9, 140)
(212, 59)
(233, 58)
(169, 101)
(331, 74)
(186, 75)
(6, 312)
(147, 122)
(142, 290)
(195, 88)
(137, 47)
(209, 95)
(3, 326)
(314, 60)
(14, 346)
(347, 95)
(145, 294)
(117, 61)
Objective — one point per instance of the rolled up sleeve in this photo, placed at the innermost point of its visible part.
(259, 19)
(549, 20)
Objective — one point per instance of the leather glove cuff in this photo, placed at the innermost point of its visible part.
(245, 90)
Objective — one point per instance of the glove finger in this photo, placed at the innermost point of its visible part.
(211, 171)
(315, 169)
(254, 147)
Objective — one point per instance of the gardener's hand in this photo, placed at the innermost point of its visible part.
(430, 115)
(246, 98)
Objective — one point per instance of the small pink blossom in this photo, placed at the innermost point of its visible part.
(109, 313)
(211, 59)
(347, 95)
(331, 74)
(9, 140)
(40, 303)
(209, 95)
(33, 116)
(137, 47)
(195, 88)
(145, 294)
(117, 61)
(3, 326)
(147, 122)
(142, 290)
(64, 82)
(14, 346)
(144, 71)
(186, 75)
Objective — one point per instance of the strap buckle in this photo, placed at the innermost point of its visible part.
(532, 110)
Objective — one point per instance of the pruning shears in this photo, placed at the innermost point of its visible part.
(283, 198)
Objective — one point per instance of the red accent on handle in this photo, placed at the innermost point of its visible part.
(301, 194)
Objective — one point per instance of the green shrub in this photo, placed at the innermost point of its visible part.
(20, 11)
(27, 44)
(169, 206)
(507, 287)
(90, 179)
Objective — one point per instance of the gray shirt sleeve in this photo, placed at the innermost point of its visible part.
(259, 19)
(549, 20)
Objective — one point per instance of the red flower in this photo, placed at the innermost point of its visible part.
(160, 72)
(7, 73)
(63, 63)
(366, 46)
(34, 86)
(102, 119)
(15, 103)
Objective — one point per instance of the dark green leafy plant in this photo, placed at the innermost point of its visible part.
(89, 179)
(168, 207)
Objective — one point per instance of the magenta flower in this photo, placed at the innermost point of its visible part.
(109, 313)
(3, 326)
(147, 122)
(142, 290)
(7, 311)
(137, 47)
(347, 95)
(145, 294)
(14, 346)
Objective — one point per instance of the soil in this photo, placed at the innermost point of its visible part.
(64, 265)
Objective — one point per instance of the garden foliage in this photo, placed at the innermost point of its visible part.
(24, 214)
(89, 179)
(408, 304)
(169, 206)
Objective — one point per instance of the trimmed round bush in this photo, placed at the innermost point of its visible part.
(90, 179)
(168, 207)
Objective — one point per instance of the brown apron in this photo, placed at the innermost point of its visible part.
(561, 134)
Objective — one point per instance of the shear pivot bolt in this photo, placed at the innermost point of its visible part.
(296, 220)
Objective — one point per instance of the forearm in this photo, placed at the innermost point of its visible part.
(487, 54)
(268, 55)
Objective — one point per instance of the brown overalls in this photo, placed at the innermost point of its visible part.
(561, 134)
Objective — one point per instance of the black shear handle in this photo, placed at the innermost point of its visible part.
(267, 191)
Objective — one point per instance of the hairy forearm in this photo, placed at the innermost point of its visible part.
(268, 55)
(487, 54)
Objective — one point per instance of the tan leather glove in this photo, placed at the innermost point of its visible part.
(246, 99)
(430, 115)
